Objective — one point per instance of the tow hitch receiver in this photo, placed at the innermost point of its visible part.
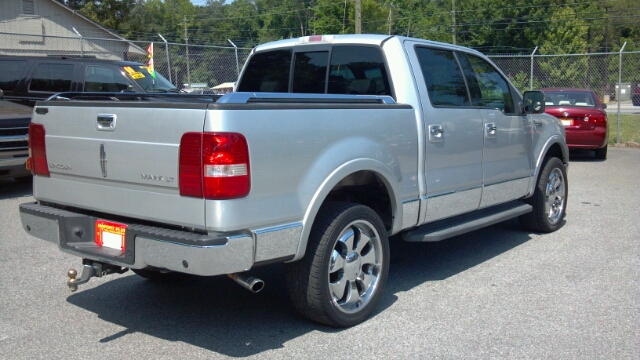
(90, 269)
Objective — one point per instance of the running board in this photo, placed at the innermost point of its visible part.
(443, 229)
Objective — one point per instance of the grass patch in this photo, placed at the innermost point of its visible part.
(629, 128)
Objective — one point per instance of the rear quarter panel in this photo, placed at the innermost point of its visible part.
(298, 153)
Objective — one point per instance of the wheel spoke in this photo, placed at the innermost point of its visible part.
(337, 262)
(365, 281)
(347, 238)
(353, 296)
(363, 241)
(369, 258)
(338, 288)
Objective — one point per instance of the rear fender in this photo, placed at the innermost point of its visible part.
(389, 179)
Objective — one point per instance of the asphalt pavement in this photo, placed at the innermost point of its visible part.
(499, 292)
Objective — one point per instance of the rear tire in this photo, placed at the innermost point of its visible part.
(549, 200)
(341, 278)
(601, 154)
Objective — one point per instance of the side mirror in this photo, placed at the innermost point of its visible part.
(604, 106)
(533, 102)
(1, 94)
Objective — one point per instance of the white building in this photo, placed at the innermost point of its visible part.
(46, 27)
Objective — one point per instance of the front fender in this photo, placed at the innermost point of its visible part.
(541, 153)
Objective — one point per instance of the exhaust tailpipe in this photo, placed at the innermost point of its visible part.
(248, 282)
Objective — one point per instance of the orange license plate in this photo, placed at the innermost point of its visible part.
(111, 234)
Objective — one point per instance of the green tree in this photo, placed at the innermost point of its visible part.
(109, 13)
(570, 38)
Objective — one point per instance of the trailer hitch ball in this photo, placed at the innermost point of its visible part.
(91, 269)
(72, 273)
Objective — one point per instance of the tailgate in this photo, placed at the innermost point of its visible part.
(119, 159)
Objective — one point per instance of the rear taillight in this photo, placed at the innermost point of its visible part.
(37, 161)
(214, 166)
(598, 119)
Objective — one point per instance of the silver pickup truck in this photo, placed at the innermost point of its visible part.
(331, 145)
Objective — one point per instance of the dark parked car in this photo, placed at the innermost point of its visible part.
(14, 145)
(25, 80)
(583, 117)
(29, 79)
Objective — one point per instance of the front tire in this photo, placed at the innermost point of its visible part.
(549, 200)
(342, 276)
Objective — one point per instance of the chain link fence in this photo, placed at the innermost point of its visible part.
(615, 77)
(182, 64)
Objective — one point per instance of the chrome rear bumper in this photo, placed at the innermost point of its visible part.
(181, 251)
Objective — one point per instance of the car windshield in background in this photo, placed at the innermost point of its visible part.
(143, 77)
(565, 98)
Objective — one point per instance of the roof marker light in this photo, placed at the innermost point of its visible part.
(316, 39)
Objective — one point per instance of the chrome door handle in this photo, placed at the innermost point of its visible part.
(436, 133)
(106, 122)
(490, 130)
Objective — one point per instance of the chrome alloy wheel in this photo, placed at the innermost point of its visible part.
(555, 196)
(355, 265)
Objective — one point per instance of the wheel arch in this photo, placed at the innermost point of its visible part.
(554, 147)
(356, 181)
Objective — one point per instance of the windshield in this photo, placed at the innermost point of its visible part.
(568, 98)
(141, 75)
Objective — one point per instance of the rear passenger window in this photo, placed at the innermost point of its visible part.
(52, 78)
(267, 72)
(443, 77)
(358, 70)
(104, 79)
(310, 72)
(11, 73)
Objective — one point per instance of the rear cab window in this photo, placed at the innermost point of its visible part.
(341, 69)
(267, 72)
(310, 72)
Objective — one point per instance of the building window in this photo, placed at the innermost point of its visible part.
(28, 7)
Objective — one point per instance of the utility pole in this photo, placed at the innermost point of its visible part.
(358, 16)
(344, 18)
(390, 17)
(186, 40)
(453, 20)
